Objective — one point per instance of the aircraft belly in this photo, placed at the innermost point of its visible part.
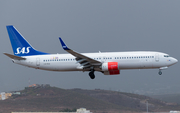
(67, 67)
(57, 66)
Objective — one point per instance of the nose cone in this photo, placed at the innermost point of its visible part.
(174, 61)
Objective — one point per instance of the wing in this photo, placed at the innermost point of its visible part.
(84, 60)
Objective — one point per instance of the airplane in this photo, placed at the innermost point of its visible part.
(109, 63)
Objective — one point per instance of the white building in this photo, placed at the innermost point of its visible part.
(174, 112)
(3, 96)
(81, 110)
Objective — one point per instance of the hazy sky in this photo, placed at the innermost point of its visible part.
(92, 26)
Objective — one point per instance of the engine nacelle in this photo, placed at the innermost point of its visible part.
(114, 72)
(110, 68)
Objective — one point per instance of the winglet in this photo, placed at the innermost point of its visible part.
(63, 44)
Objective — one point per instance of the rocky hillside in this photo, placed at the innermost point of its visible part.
(54, 99)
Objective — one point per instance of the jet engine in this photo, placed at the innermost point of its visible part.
(110, 68)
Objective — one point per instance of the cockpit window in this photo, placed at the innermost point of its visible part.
(166, 55)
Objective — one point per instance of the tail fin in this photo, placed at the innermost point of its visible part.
(19, 44)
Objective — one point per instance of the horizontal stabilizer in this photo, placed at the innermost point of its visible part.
(15, 57)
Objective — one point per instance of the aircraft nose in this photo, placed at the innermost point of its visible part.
(174, 61)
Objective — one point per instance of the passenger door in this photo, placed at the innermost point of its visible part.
(38, 61)
(157, 57)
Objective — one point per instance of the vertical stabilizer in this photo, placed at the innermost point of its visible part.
(19, 44)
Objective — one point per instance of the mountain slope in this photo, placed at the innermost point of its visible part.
(55, 99)
(173, 98)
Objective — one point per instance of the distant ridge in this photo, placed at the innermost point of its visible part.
(173, 98)
(53, 99)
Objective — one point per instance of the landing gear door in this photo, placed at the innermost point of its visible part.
(157, 57)
(37, 61)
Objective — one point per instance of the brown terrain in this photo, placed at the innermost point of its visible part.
(53, 99)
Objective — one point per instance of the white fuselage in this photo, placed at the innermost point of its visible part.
(126, 60)
(109, 63)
